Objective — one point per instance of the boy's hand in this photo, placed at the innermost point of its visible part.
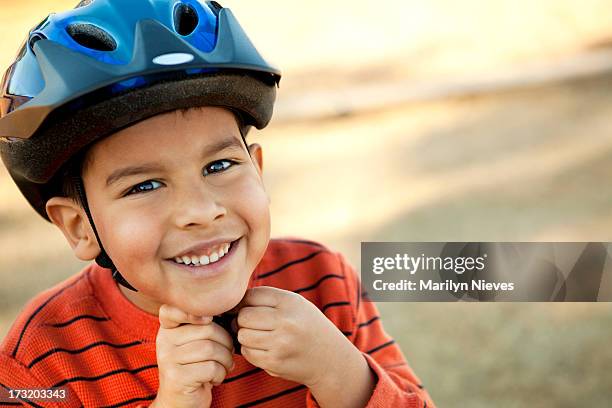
(193, 355)
(288, 337)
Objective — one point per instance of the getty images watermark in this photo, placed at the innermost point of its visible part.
(470, 271)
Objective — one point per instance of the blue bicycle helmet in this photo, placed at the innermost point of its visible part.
(86, 73)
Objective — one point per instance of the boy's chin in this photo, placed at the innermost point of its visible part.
(213, 305)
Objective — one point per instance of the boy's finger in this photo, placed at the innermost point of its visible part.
(258, 318)
(255, 356)
(205, 372)
(204, 350)
(255, 339)
(171, 317)
(188, 333)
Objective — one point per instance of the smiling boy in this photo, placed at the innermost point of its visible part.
(154, 203)
(141, 161)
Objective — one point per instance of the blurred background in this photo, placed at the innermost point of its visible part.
(438, 120)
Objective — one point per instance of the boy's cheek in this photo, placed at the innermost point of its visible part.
(135, 238)
(132, 244)
(252, 205)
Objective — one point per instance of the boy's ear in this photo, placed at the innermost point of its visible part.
(257, 155)
(71, 219)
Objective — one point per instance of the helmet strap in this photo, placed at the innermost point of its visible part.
(245, 144)
(102, 259)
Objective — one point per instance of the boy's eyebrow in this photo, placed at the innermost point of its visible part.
(213, 148)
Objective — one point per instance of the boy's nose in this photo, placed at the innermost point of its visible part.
(197, 206)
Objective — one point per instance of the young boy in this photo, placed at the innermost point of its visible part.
(124, 124)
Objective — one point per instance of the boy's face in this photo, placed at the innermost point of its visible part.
(178, 192)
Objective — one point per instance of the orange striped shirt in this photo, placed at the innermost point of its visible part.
(85, 337)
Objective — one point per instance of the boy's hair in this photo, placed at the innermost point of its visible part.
(73, 170)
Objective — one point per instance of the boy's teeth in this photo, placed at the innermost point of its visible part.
(204, 259)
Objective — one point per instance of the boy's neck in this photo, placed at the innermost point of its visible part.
(141, 302)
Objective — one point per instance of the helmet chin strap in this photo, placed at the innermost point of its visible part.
(103, 259)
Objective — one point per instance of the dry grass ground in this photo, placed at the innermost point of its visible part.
(530, 164)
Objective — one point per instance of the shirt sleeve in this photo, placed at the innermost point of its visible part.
(16, 378)
(396, 385)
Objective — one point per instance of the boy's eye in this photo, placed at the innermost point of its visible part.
(218, 166)
(144, 187)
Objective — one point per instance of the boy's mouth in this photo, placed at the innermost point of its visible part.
(205, 257)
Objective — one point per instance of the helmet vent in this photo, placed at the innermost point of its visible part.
(90, 36)
(35, 37)
(185, 19)
(215, 7)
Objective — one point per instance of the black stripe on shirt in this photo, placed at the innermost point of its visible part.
(82, 349)
(271, 397)
(297, 261)
(334, 304)
(245, 374)
(360, 325)
(121, 404)
(22, 399)
(38, 309)
(317, 283)
(101, 376)
(375, 349)
(74, 319)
